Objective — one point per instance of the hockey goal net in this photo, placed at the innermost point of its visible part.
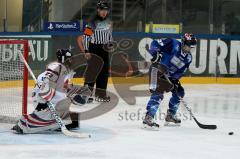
(13, 80)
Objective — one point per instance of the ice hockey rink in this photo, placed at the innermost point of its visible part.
(118, 133)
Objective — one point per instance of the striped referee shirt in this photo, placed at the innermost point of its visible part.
(98, 32)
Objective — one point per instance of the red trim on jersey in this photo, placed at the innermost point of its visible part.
(50, 96)
(55, 72)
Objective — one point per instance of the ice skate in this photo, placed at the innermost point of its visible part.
(90, 100)
(17, 129)
(172, 120)
(148, 123)
(102, 99)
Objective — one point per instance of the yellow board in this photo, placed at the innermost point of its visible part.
(138, 80)
(163, 28)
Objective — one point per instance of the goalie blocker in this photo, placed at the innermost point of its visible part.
(53, 85)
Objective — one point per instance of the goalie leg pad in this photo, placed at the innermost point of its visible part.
(37, 121)
(42, 120)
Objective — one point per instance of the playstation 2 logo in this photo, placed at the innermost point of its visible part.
(61, 26)
(50, 27)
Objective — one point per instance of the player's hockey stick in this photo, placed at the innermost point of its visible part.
(59, 121)
(203, 126)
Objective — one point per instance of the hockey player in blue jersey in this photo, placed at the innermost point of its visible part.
(170, 61)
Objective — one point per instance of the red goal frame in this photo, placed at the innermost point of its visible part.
(25, 71)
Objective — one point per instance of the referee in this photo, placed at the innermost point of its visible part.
(97, 36)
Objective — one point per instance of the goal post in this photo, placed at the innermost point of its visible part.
(13, 80)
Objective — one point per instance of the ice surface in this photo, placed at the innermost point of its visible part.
(118, 133)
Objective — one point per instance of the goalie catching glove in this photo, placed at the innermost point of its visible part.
(79, 94)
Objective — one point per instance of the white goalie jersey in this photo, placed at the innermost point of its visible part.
(53, 87)
(52, 84)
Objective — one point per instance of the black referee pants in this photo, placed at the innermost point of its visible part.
(95, 70)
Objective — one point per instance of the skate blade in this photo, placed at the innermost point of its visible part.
(18, 133)
(102, 101)
(151, 128)
(171, 124)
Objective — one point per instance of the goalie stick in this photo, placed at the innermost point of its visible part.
(59, 121)
(203, 126)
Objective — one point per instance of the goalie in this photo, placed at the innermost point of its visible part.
(53, 85)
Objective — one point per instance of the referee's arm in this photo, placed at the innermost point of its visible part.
(88, 32)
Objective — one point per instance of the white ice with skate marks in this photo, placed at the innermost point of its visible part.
(118, 133)
(53, 137)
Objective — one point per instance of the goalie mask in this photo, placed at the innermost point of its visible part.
(63, 55)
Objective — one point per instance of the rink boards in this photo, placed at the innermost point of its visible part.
(138, 80)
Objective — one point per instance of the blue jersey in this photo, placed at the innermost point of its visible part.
(176, 61)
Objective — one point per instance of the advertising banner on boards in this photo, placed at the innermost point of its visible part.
(213, 56)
